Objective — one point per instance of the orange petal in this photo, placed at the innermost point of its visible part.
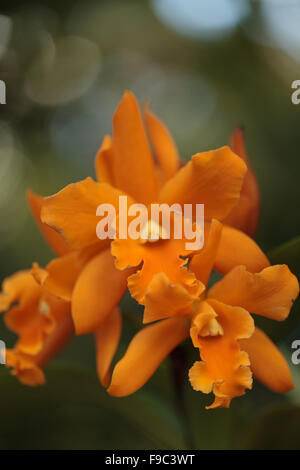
(24, 368)
(147, 350)
(202, 263)
(211, 178)
(267, 363)
(34, 313)
(59, 276)
(163, 145)
(224, 368)
(19, 287)
(270, 293)
(107, 339)
(104, 162)
(97, 292)
(72, 211)
(57, 243)
(163, 256)
(204, 314)
(237, 248)
(27, 318)
(32, 334)
(57, 339)
(245, 215)
(163, 299)
(134, 169)
(27, 367)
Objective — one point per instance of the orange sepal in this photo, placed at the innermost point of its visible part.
(59, 276)
(72, 211)
(107, 339)
(267, 363)
(149, 347)
(56, 241)
(133, 166)
(237, 248)
(104, 162)
(163, 144)
(98, 290)
(245, 214)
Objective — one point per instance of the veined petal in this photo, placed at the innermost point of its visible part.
(147, 350)
(56, 241)
(267, 363)
(270, 293)
(245, 214)
(224, 369)
(72, 211)
(237, 248)
(163, 144)
(134, 169)
(202, 263)
(211, 178)
(98, 290)
(107, 339)
(104, 162)
(59, 276)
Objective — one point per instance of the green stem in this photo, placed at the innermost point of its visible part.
(178, 358)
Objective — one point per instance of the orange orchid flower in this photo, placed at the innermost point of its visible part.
(90, 275)
(42, 314)
(127, 165)
(74, 273)
(223, 330)
(42, 322)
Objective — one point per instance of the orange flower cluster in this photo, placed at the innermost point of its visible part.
(79, 291)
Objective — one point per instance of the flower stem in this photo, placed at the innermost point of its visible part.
(178, 359)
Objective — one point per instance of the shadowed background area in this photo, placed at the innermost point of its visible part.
(207, 67)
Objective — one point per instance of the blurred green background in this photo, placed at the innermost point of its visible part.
(207, 67)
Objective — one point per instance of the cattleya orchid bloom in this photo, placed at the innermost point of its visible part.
(125, 166)
(90, 275)
(42, 322)
(223, 330)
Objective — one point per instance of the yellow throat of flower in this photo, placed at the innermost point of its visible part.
(212, 328)
(44, 307)
(152, 232)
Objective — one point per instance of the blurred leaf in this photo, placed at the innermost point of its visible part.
(209, 429)
(277, 429)
(72, 411)
(288, 253)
